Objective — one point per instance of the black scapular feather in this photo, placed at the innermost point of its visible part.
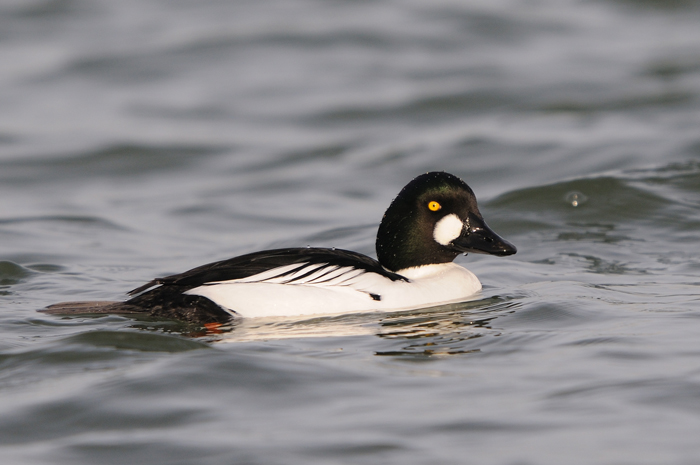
(260, 262)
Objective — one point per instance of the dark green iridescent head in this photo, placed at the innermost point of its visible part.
(406, 236)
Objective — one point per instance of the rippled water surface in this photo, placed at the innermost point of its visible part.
(143, 138)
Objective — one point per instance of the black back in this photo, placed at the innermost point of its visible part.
(258, 262)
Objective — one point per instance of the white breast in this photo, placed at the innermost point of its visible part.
(325, 289)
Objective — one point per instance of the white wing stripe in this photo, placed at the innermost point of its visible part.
(298, 274)
(353, 273)
(269, 275)
(311, 274)
(322, 274)
(333, 276)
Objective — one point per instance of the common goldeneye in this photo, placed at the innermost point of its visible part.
(432, 220)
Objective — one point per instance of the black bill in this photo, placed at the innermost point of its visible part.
(477, 237)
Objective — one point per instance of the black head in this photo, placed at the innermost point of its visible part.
(432, 220)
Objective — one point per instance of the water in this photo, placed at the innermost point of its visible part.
(139, 139)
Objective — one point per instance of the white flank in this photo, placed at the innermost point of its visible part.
(447, 229)
(348, 291)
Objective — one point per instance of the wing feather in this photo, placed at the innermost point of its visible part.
(294, 265)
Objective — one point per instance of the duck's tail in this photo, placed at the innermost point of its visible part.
(91, 307)
(158, 303)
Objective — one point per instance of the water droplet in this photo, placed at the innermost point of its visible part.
(576, 198)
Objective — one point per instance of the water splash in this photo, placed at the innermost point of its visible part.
(576, 198)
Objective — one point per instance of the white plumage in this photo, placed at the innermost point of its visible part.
(348, 290)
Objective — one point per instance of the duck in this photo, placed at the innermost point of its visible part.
(432, 220)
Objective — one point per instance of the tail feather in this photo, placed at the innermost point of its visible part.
(157, 303)
(88, 307)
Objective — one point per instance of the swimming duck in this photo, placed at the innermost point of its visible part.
(433, 219)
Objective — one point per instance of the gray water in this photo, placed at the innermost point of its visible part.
(143, 138)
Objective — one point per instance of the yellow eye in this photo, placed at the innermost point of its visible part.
(434, 206)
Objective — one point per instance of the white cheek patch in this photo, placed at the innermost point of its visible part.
(447, 229)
